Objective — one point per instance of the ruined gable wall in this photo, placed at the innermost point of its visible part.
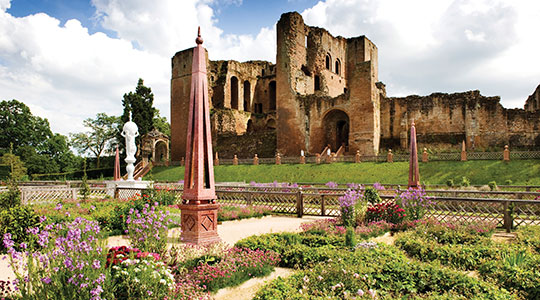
(533, 102)
(444, 120)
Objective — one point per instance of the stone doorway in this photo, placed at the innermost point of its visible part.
(336, 128)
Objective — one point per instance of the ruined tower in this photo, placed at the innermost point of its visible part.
(327, 91)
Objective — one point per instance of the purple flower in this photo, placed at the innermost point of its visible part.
(46, 280)
(58, 206)
(331, 184)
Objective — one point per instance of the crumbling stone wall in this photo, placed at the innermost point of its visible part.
(533, 102)
(318, 74)
(445, 120)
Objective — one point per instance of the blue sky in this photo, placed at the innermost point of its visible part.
(69, 60)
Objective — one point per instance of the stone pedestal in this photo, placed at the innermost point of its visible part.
(302, 159)
(390, 156)
(425, 156)
(278, 159)
(256, 160)
(357, 157)
(506, 153)
(235, 160)
(126, 184)
(199, 223)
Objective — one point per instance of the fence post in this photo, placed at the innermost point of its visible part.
(116, 192)
(507, 219)
(323, 206)
(248, 198)
(74, 193)
(299, 203)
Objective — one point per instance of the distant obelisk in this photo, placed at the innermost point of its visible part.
(414, 173)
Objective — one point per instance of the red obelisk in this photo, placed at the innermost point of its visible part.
(414, 173)
(116, 175)
(199, 210)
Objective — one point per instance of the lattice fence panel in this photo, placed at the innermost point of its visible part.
(460, 210)
(524, 154)
(232, 197)
(485, 155)
(45, 195)
(100, 193)
(124, 194)
(484, 194)
(526, 213)
(279, 202)
(445, 156)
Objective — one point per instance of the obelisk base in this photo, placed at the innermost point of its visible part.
(199, 223)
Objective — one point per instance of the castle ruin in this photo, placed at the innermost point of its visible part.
(324, 90)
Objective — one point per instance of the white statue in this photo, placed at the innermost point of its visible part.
(328, 152)
(130, 132)
(301, 152)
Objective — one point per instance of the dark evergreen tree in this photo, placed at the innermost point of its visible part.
(140, 104)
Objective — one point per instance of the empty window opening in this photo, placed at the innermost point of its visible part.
(272, 95)
(338, 67)
(317, 83)
(234, 92)
(247, 96)
(328, 62)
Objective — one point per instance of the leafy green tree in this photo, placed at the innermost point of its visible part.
(20, 127)
(17, 170)
(99, 139)
(140, 104)
(161, 124)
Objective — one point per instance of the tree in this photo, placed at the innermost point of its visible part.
(99, 139)
(17, 170)
(20, 127)
(161, 124)
(140, 104)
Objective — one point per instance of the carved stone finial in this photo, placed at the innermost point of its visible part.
(199, 39)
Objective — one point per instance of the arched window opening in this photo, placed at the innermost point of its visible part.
(234, 92)
(262, 72)
(328, 62)
(317, 83)
(247, 96)
(271, 124)
(272, 95)
(338, 67)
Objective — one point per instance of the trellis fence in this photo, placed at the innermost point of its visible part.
(507, 209)
(515, 209)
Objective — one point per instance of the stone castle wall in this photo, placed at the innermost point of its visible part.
(324, 90)
(445, 120)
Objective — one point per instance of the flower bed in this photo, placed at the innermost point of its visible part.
(467, 246)
(231, 212)
(329, 270)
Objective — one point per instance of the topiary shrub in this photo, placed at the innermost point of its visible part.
(371, 195)
(492, 185)
(450, 182)
(465, 182)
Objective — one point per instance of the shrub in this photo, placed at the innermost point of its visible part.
(147, 229)
(492, 185)
(16, 221)
(230, 212)
(450, 182)
(349, 237)
(529, 236)
(465, 182)
(67, 261)
(161, 195)
(236, 266)
(141, 278)
(387, 211)
(415, 202)
(347, 204)
(371, 195)
(508, 182)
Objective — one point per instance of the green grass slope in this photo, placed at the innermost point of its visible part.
(521, 172)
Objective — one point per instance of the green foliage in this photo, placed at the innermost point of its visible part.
(99, 138)
(140, 104)
(350, 240)
(85, 188)
(16, 220)
(20, 127)
(492, 185)
(371, 195)
(15, 165)
(508, 182)
(529, 236)
(384, 270)
(450, 182)
(480, 172)
(161, 123)
(465, 181)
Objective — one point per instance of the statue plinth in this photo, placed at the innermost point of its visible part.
(199, 223)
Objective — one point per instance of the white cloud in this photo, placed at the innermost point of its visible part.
(65, 74)
(451, 45)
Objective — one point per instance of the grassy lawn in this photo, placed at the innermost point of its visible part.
(521, 172)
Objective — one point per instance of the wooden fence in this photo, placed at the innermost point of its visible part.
(507, 209)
